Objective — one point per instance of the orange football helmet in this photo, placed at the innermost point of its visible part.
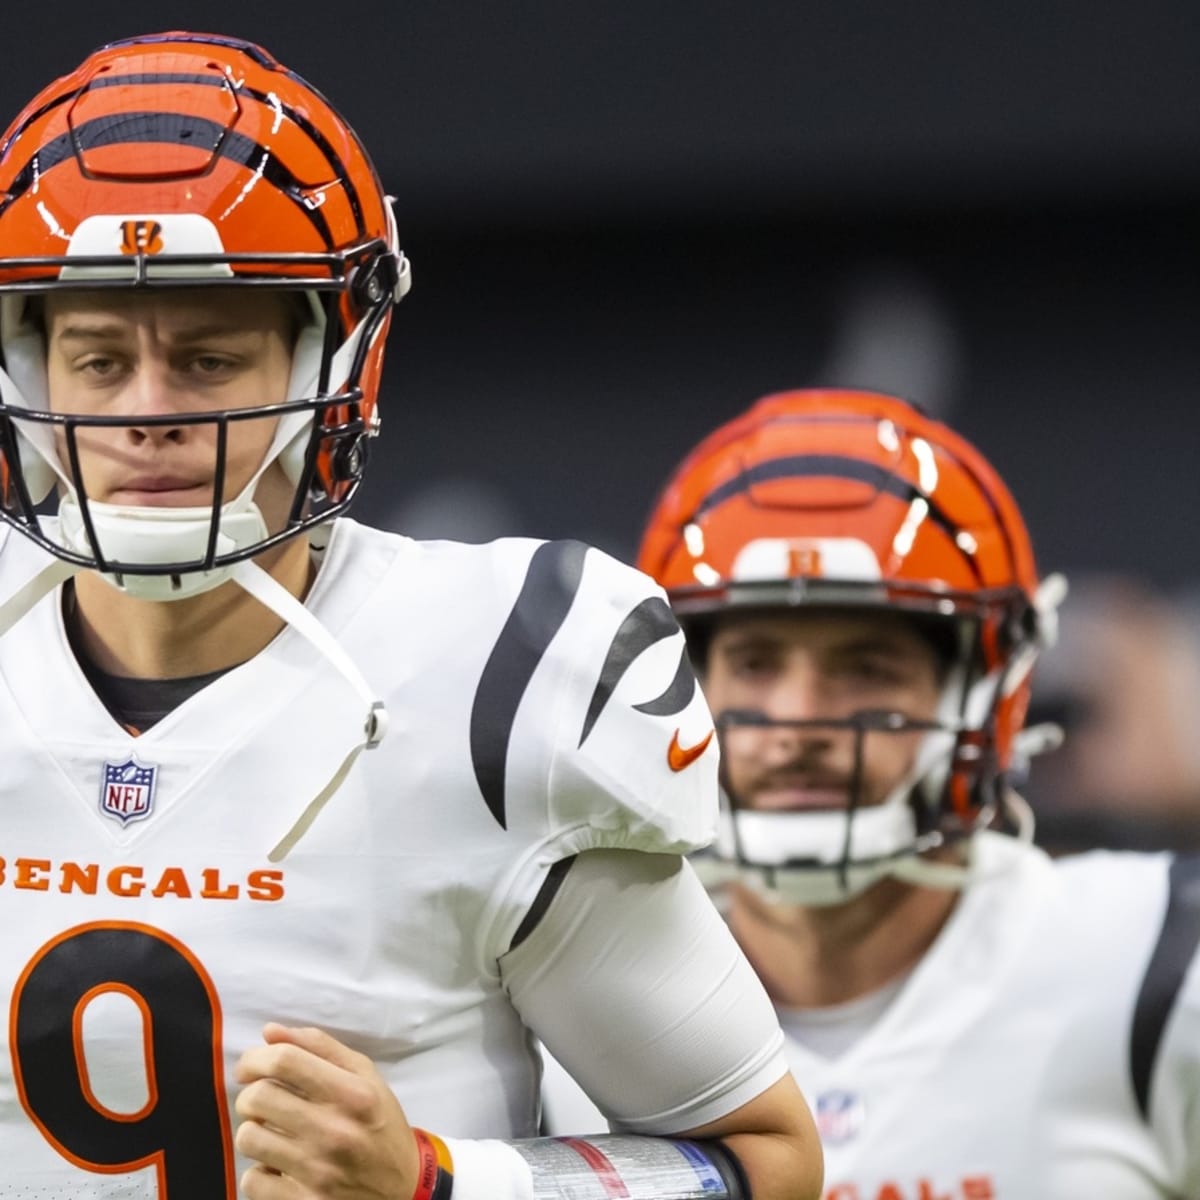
(844, 498)
(192, 160)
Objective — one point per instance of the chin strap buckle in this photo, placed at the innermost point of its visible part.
(376, 726)
(275, 596)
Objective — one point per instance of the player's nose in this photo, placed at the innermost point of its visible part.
(153, 401)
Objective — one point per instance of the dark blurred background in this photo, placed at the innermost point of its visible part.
(629, 218)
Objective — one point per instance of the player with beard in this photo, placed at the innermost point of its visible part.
(971, 1020)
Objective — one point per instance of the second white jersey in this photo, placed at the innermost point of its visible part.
(1046, 1047)
(1003, 1069)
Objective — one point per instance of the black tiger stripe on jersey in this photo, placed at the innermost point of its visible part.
(541, 902)
(173, 127)
(1173, 954)
(679, 691)
(551, 582)
(836, 466)
(648, 623)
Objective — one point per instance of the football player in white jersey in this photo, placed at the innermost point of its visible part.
(306, 829)
(970, 1020)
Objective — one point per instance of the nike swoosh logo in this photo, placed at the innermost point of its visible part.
(679, 756)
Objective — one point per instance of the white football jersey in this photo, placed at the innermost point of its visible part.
(540, 704)
(1046, 1047)
(1005, 1068)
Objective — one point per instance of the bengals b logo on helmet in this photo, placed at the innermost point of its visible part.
(141, 237)
(804, 560)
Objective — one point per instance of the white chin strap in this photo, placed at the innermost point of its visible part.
(270, 592)
(154, 535)
(828, 857)
(796, 858)
(779, 836)
(816, 859)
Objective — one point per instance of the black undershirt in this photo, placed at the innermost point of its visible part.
(138, 704)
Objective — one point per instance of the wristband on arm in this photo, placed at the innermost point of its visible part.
(607, 1167)
(435, 1178)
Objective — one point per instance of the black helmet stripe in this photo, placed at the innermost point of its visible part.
(340, 171)
(251, 50)
(336, 165)
(137, 127)
(36, 115)
(835, 466)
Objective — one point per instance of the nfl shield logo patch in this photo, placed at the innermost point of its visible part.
(839, 1116)
(127, 790)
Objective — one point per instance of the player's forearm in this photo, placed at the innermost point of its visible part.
(597, 1167)
(776, 1143)
(767, 1149)
(779, 1167)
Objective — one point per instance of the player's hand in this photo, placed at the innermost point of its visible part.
(320, 1122)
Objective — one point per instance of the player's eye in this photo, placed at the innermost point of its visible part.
(874, 671)
(98, 366)
(753, 664)
(210, 364)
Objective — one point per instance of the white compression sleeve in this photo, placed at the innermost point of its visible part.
(633, 982)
